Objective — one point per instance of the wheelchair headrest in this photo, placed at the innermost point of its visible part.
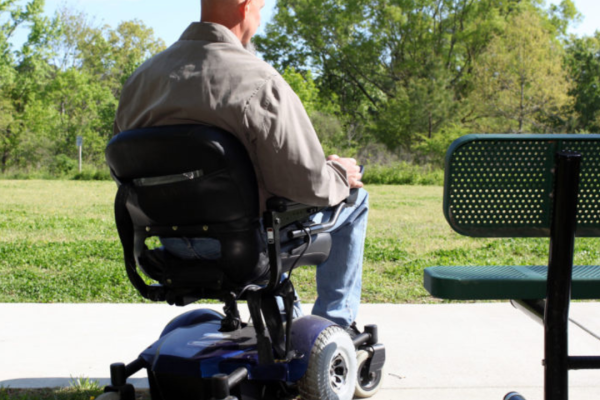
(184, 175)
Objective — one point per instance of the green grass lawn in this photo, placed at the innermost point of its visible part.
(80, 389)
(58, 243)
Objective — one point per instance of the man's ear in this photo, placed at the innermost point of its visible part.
(244, 8)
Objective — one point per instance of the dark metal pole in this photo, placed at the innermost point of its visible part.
(534, 309)
(560, 267)
(272, 224)
(584, 362)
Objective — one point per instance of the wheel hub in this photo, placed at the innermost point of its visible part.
(368, 380)
(338, 373)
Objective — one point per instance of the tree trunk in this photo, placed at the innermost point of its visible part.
(4, 159)
(5, 153)
(430, 125)
(522, 106)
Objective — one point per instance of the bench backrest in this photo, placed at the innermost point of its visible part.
(501, 185)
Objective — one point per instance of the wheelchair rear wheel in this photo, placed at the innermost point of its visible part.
(367, 384)
(332, 370)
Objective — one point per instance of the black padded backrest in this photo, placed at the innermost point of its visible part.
(185, 175)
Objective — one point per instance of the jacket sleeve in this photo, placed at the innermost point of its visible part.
(289, 154)
(116, 128)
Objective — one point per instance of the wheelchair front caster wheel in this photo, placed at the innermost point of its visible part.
(331, 372)
(109, 396)
(367, 384)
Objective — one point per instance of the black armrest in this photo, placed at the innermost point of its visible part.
(288, 211)
(351, 199)
(293, 211)
(280, 204)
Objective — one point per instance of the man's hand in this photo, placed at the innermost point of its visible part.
(352, 170)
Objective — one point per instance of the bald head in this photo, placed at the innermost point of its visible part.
(242, 17)
(213, 7)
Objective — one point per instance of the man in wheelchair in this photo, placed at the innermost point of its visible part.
(209, 78)
(215, 155)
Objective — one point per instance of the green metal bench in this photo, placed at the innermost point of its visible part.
(506, 282)
(526, 186)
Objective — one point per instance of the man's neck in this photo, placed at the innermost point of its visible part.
(231, 24)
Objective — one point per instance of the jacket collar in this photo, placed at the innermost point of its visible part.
(210, 32)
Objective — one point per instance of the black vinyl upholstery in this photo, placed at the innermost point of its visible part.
(193, 181)
(228, 190)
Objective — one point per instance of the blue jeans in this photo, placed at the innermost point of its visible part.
(193, 248)
(339, 279)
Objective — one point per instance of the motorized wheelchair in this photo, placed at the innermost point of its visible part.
(196, 181)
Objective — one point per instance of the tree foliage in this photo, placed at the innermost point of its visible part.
(62, 82)
(583, 63)
(520, 84)
(408, 71)
(380, 79)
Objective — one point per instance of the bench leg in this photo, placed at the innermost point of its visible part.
(560, 269)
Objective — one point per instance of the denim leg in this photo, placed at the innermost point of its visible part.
(339, 279)
(193, 248)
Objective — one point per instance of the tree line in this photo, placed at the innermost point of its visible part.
(64, 81)
(383, 80)
(410, 76)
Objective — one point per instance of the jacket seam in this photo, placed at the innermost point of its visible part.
(247, 105)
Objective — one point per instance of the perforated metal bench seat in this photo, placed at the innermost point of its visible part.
(506, 282)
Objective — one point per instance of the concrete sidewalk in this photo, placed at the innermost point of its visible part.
(441, 352)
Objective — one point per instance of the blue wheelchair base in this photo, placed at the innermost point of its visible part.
(194, 360)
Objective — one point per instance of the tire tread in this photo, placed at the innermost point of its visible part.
(312, 383)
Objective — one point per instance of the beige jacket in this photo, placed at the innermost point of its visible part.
(208, 77)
